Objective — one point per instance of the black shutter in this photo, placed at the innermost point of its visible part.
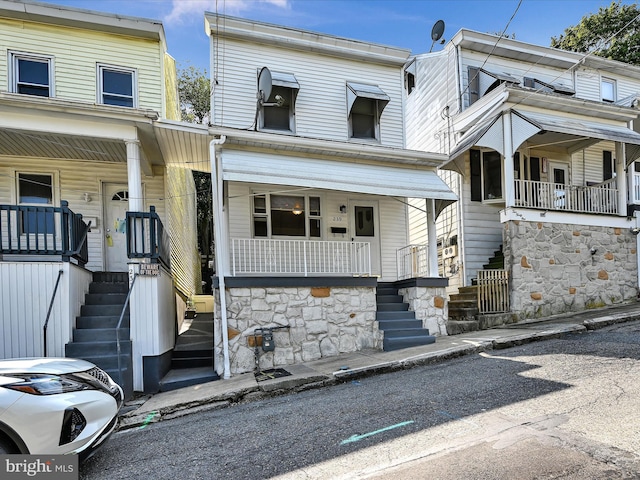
(473, 84)
(607, 165)
(535, 168)
(476, 176)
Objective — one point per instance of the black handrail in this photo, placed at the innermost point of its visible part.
(124, 308)
(146, 237)
(46, 322)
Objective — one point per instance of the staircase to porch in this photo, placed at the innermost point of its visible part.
(94, 338)
(400, 327)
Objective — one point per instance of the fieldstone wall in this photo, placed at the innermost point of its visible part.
(429, 305)
(322, 321)
(556, 268)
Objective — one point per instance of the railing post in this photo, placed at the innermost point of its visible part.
(153, 239)
(65, 213)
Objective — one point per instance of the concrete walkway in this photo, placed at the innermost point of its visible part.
(346, 367)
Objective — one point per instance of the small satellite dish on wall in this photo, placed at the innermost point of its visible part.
(436, 33)
(265, 84)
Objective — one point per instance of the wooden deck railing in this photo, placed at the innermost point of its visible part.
(600, 198)
(146, 237)
(412, 261)
(493, 291)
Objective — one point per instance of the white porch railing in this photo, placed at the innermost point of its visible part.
(636, 188)
(600, 198)
(412, 261)
(299, 257)
(493, 291)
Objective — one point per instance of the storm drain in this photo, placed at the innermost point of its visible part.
(270, 374)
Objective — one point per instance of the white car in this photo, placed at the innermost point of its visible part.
(56, 406)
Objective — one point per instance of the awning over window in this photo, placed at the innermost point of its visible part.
(284, 80)
(553, 87)
(355, 90)
(486, 79)
(395, 181)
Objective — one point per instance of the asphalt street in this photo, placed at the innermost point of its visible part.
(559, 408)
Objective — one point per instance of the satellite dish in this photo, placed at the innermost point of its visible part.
(264, 84)
(436, 33)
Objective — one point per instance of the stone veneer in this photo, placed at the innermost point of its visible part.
(322, 322)
(553, 270)
(429, 305)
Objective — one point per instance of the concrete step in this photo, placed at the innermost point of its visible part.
(101, 321)
(389, 298)
(87, 335)
(106, 298)
(398, 343)
(401, 323)
(396, 315)
(392, 307)
(406, 332)
(102, 310)
(92, 349)
(175, 379)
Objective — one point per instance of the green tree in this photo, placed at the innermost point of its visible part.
(613, 32)
(193, 88)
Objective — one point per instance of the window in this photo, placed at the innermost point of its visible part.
(608, 90)
(278, 112)
(116, 86)
(36, 190)
(480, 82)
(365, 104)
(410, 76)
(543, 86)
(486, 175)
(32, 75)
(608, 165)
(286, 216)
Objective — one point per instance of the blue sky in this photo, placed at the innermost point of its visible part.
(401, 23)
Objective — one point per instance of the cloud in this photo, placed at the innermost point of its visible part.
(184, 9)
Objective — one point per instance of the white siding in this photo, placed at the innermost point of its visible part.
(76, 53)
(321, 105)
(75, 178)
(588, 84)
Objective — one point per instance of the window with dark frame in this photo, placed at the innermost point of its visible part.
(32, 75)
(486, 175)
(364, 118)
(116, 86)
(35, 191)
(279, 115)
(286, 216)
(608, 165)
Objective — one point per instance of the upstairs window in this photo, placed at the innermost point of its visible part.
(543, 86)
(481, 81)
(608, 90)
(410, 77)
(286, 216)
(31, 74)
(278, 111)
(116, 86)
(365, 104)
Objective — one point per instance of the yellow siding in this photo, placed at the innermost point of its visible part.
(172, 99)
(76, 53)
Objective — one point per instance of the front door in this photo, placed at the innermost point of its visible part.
(116, 204)
(559, 174)
(365, 227)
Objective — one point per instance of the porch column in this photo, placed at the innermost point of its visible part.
(507, 136)
(621, 179)
(432, 238)
(134, 173)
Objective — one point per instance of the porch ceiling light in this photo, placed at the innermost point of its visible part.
(297, 210)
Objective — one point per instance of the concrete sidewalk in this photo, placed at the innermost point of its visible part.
(346, 367)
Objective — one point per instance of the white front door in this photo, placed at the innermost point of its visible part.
(116, 204)
(365, 227)
(559, 175)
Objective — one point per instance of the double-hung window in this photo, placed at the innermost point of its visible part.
(608, 90)
(31, 74)
(117, 86)
(35, 193)
(278, 111)
(281, 215)
(365, 104)
(486, 175)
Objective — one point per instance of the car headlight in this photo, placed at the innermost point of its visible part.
(42, 384)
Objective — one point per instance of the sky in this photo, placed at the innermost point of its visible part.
(399, 23)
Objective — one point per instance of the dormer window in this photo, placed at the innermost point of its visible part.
(410, 77)
(543, 86)
(365, 104)
(278, 111)
(608, 90)
(481, 82)
(116, 86)
(32, 74)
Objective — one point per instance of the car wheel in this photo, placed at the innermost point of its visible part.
(6, 446)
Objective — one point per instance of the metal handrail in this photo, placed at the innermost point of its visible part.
(124, 308)
(46, 321)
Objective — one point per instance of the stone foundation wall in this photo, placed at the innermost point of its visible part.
(322, 321)
(556, 268)
(429, 306)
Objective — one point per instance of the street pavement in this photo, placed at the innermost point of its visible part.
(147, 409)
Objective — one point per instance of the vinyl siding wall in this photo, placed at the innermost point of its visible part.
(76, 53)
(321, 105)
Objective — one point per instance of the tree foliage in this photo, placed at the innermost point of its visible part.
(193, 89)
(613, 32)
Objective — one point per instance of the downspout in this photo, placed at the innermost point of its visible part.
(219, 242)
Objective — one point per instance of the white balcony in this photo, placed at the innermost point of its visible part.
(252, 256)
(600, 198)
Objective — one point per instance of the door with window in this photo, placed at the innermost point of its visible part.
(365, 227)
(559, 176)
(116, 204)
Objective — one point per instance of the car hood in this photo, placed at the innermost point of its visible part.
(49, 365)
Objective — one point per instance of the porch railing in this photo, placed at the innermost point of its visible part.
(146, 237)
(600, 198)
(636, 188)
(493, 291)
(299, 257)
(412, 261)
(43, 230)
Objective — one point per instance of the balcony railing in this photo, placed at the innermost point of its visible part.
(412, 261)
(600, 198)
(254, 256)
(146, 237)
(43, 230)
